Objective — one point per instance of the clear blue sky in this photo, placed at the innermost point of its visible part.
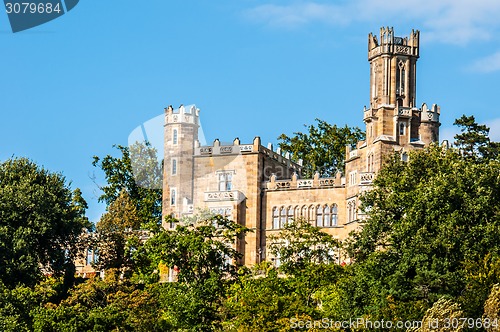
(73, 87)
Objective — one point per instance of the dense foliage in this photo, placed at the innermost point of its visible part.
(139, 173)
(41, 220)
(428, 252)
(322, 148)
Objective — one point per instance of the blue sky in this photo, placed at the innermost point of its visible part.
(73, 87)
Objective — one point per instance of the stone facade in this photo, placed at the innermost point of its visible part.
(261, 188)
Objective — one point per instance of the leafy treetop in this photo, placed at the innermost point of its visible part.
(322, 148)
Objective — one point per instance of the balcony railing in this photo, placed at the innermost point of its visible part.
(233, 195)
(366, 178)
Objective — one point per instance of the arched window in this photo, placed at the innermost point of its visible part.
(374, 81)
(290, 215)
(402, 128)
(276, 219)
(327, 217)
(400, 78)
(175, 136)
(173, 196)
(282, 217)
(297, 213)
(351, 210)
(303, 212)
(312, 214)
(333, 215)
(319, 216)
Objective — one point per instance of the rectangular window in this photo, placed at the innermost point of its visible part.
(175, 136)
(353, 178)
(171, 224)
(277, 260)
(225, 181)
(319, 216)
(282, 217)
(225, 211)
(174, 166)
(334, 215)
(402, 128)
(173, 196)
(90, 256)
(276, 219)
(351, 210)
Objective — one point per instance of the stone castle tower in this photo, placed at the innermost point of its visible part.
(393, 117)
(393, 122)
(180, 136)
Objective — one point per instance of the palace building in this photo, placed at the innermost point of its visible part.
(260, 188)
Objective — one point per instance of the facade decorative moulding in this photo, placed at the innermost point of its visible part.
(219, 196)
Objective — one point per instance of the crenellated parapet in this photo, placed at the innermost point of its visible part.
(220, 149)
(430, 114)
(189, 114)
(391, 45)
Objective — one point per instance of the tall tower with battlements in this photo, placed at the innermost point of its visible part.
(393, 121)
(180, 136)
(393, 117)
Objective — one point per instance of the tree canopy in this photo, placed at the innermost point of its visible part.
(139, 172)
(428, 252)
(473, 141)
(41, 220)
(322, 147)
(428, 217)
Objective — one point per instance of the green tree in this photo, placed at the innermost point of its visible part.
(205, 255)
(200, 250)
(118, 235)
(41, 221)
(262, 300)
(18, 304)
(492, 309)
(139, 173)
(473, 140)
(441, 317)
(480, 276)
(426, 218)
(301, 246)
(308, 256)
(308, 266)
(102, 305)
(322, 147)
